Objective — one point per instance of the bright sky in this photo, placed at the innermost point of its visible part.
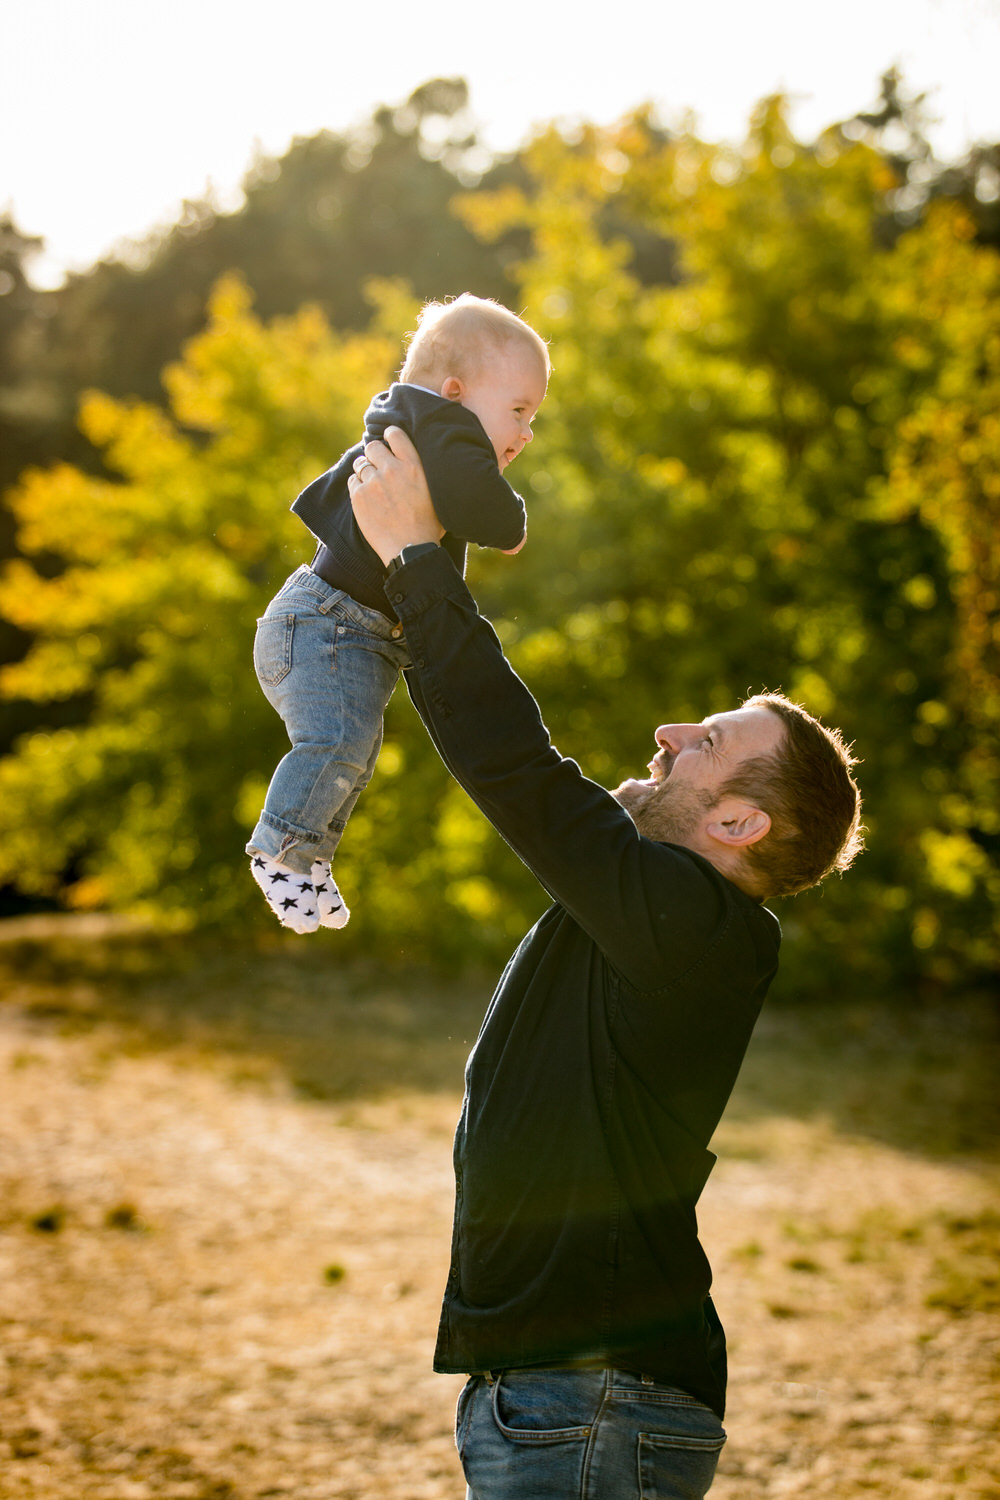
(113, 111)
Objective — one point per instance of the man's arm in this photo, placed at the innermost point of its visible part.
(637, 899)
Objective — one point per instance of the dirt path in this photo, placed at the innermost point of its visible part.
(237, 1296)
(224, 1291)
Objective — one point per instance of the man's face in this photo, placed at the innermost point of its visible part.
(693, 762)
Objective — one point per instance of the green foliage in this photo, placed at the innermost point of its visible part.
(152, 614)
(743, 496)
(314, 227)
(776, 467)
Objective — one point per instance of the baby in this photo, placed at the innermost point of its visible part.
(328, 649)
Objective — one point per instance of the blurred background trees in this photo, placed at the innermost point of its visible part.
(769, 458)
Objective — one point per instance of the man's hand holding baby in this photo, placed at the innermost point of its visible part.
(392, 504)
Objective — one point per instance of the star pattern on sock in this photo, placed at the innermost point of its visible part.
(307, 902)
(333, 910)
(298, 912)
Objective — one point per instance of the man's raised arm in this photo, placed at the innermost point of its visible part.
(572, 834)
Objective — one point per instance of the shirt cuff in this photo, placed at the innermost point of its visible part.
(423, 582)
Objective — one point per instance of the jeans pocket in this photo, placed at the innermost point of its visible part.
(540, 1407)
(679, 1465)
(272, 648)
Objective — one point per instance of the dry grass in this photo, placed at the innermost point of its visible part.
(225, 1214)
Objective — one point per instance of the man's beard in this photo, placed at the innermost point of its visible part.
(666, 811)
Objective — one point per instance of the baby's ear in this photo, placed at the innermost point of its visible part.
(453, 389)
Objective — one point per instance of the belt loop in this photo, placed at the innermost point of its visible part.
(647, 1380)
(489, 1377)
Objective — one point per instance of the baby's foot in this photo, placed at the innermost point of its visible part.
(333, 910)
(290, 895)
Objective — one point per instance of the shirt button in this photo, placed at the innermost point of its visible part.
(398, 598)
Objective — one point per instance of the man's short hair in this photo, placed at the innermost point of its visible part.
(456, 337)
(807, 790)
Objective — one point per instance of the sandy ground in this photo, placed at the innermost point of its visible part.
(214, 1287)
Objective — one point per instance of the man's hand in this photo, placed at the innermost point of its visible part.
(392, 504)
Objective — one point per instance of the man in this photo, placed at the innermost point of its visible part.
(578, 1298)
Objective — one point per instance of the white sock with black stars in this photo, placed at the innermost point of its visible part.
(333, 910)
(290, 894)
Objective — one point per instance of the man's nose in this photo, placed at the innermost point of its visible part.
(674, 737)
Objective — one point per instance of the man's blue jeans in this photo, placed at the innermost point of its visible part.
(328, 665)
(584, 1434)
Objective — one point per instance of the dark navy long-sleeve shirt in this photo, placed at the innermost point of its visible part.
(473, 502)
(608, 1051)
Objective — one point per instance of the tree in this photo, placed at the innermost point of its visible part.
(26, 408)
(944, 474)
(773, 467)
(721, 452)
(151, 613)
(315, 225)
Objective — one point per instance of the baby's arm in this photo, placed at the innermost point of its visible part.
(472, 499)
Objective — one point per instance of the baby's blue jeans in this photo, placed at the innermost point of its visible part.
(328, 665)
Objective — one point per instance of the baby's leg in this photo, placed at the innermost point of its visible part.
(329, 678)
(333, 909)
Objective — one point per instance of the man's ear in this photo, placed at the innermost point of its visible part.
(453, 389)
(736, 823)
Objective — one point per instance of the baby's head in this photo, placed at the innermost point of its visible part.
(478, 353)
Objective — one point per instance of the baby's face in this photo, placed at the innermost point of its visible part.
(505, 395)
